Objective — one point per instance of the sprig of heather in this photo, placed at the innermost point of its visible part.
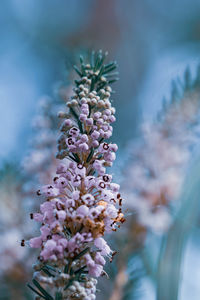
(82, 204)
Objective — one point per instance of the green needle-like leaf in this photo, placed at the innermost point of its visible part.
(98, 61)
(113, 80)
(81, 59)
(51, 268)
(35, 291)
(45, 270)
(92, 59)
(76, 157)
(42, 290)
(77, 71)
(69, 283)
(58, 296)
(81, 253)
(90, 155)
(77, 119)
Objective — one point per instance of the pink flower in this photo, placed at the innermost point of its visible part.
(50, 245)
(96, 271)
(38, 217)
(82, 211)
(99, 259)
(35, 242)
(61, 214)
(101, 244)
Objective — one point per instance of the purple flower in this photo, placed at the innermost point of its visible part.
(82, 211)
(101, 244)
(35, 242)
(96, 271)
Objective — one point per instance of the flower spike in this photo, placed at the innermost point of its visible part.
(80, 205)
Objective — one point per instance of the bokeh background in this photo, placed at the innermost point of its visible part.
(154, 42)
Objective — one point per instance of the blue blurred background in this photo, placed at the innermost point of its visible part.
(153, 42)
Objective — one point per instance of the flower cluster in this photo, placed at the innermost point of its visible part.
(86, 289)
(82, 203)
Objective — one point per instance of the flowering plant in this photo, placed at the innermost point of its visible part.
(80, 204)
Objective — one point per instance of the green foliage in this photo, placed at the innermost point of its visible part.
(58, 296)
(44, 294)
(99, 73)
